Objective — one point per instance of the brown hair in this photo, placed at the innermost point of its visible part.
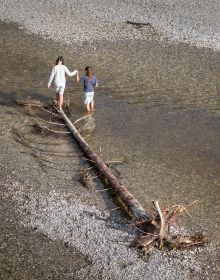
(89, 71)
(60, 58)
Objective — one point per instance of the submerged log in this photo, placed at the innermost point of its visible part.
(131, 202)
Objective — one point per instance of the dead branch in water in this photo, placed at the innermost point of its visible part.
(45, 128)
(49, 112)
(82, 118)
(86, 124)
(104, 190)
(30, 103)
(109, 162)
(53, 123)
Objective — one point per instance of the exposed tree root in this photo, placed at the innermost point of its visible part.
(162, 224)
(157, 233)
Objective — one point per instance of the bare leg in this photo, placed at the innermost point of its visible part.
(92, 105)
(88, 107)
(57, 97)
(60, 101)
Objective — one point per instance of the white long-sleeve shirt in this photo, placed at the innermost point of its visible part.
(58, 74)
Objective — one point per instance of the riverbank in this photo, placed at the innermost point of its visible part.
(71, 21)
(54, 228)
(158, 112)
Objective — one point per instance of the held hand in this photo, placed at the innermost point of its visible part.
(48, 86)
(77, 76)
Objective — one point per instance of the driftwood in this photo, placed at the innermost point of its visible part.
(128, 199)
(160, 236)
(154, 226)
(85, 125)
(53, 123)
(162, 224)
(44, 129)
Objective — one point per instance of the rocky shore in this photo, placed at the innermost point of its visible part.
(73, 21)
(54, 228)
(51, 226)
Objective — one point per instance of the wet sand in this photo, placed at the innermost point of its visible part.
(163, 127)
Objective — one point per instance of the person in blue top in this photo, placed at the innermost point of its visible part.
(89, 82)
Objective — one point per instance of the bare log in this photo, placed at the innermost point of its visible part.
(132, 203)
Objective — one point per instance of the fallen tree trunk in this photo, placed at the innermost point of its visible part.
(157, 230)
(131, 202)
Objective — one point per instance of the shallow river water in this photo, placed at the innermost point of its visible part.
(157, 111)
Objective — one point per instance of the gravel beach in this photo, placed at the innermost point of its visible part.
(55, 229)
(71, 21)
(51, 226)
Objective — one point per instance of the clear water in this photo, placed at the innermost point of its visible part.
(157, 110)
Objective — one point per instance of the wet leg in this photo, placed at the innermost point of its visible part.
(57, 99)
(88, 107)
(60, 102)
(92, 105)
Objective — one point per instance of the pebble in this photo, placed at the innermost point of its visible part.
(92, 232)
(85, 21)
(99, 236)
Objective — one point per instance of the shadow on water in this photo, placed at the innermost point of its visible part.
(10, 98)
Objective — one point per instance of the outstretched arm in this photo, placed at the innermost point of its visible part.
(96, 82)
(70, 73)
(51, 77)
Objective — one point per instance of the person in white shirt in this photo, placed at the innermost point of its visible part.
(58, 75)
